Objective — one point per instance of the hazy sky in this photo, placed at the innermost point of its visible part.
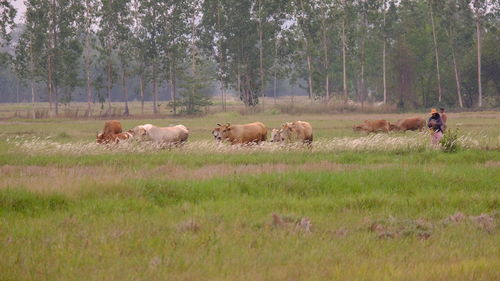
(19, 5)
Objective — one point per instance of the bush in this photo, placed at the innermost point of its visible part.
(449, 142)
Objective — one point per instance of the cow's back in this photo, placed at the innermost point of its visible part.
(172, 134)
(416, 123)
(376, 125)
(252, 132)
(304, 131)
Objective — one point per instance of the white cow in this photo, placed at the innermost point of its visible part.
(168, 135)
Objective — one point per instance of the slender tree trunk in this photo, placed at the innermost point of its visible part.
(222, 95)
(362, 90)
(49, 90)
(54, 80)
(17, 90)
(109, 83)
(440, 91)
(222, 56)
(193, 55)
(56, 100)
(49, 71)
(383, 73)
(155, 97)
(141, 81)
(172, 90)
(325, 63)
(344, 62)
(174, 84)
(50, 64)
(125, 91)
(309, 65)
(383, 62)
(363, 41)
(457, 78)
(275, 71)
(309, 75)
(87, 75)
(32, 75)
(87, 59)
(478, 34)
(238, 79)
(33, 114)
(261, 48)
(325, 55)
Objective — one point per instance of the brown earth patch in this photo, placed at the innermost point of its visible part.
(492, 164)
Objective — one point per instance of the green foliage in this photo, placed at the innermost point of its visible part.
(450, 141)
(193, 91)
(7, 15)
(252, 43)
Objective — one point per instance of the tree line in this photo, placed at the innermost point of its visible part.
(413, 53)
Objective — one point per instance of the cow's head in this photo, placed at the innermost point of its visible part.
(224, 131)
(393, 127)
(139, 132)
(99, 138)
(216, 133)
(287, 129)
(277, 136)
(357, 128)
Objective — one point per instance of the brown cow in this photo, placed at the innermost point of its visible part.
(241, 134)
(371, 126)
(111, 128)
(298, 130)
(114, 138)
(408, 124)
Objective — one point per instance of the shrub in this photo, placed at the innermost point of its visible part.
(449, 142)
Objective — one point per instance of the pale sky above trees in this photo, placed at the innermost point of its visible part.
(19, 5)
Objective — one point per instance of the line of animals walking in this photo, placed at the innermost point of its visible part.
(256, 132)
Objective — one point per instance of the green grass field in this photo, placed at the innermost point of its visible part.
(354, 207)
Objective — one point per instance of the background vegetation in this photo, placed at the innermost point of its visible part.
(412, 53)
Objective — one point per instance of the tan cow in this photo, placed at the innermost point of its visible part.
(290, 131)
(412, 124)
(371, 126)
(168, 135)
(241, 134)
(110, 129)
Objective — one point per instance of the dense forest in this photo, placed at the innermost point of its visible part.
(412, 53)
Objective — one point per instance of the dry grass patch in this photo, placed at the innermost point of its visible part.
(69, 180)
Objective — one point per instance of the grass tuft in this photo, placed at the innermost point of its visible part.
(32, 204)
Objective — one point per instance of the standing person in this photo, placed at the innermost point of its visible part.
(435, 124)
(444, 118)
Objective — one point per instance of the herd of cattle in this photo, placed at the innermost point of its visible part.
(242, 134)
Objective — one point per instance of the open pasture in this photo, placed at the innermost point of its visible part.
(354, 207)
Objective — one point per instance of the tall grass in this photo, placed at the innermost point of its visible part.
(365, 225)
(374, 142)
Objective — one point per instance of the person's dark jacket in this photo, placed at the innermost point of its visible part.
(435, 123)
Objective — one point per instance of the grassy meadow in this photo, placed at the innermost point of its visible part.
(352, 207)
